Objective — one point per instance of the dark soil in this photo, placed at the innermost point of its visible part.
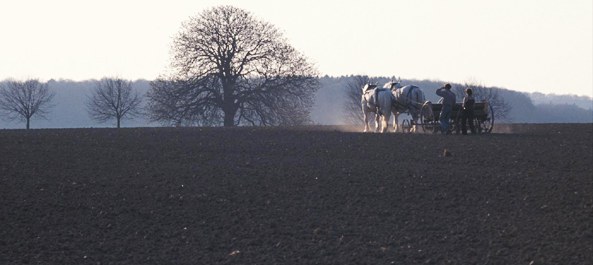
(314, 195)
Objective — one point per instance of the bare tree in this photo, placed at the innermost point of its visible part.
(25, 99)
(352, 105)
(113, 98)
(230, 68)
(491, 95)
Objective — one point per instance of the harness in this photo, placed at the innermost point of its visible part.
(409, 104)
(410, 91)
(374, 90)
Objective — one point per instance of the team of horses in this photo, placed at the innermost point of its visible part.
(393, 98)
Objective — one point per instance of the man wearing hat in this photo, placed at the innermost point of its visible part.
(448, 102)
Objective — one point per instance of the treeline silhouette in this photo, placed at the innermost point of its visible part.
(69, 110)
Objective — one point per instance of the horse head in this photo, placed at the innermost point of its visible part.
(368, 87)
(393, 85)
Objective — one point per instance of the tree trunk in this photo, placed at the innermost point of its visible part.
(118, 122)
(28, 122)
(229, 118)
(228, 106)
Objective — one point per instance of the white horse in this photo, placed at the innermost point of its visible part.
(408, 99)
(378, 101)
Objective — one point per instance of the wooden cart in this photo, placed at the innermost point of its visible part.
(483, 117)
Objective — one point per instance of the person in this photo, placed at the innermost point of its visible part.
(448, 102)
(467, 112)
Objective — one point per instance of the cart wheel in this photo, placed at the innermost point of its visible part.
(427, 118)
(478, 126)
(487, 124)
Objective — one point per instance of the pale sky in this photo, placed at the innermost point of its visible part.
(523, 45)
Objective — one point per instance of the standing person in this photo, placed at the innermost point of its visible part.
(448, 102)
(467, 112)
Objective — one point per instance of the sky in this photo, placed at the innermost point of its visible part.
(525, 45)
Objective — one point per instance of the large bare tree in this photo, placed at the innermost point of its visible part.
(113, 99)
(21, 100)
(229, 68)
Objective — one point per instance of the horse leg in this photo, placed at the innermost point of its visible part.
(366, 121)
(395, 118)
(413, 122)
(377, 122)
(385, 122)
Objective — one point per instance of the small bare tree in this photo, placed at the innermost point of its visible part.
(491, 95)
(113, 98)
(352, 105)
(25, 99)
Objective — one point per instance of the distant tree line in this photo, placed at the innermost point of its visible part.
(584, 102)
(68, 107)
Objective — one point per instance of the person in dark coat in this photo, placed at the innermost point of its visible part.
(467, 112)
(448, 102)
